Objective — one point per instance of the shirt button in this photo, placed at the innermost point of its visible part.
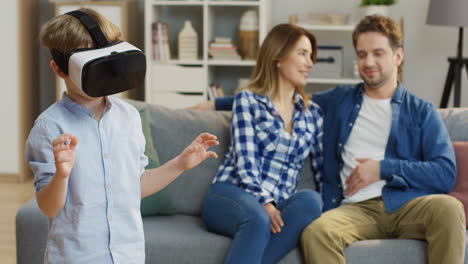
(333, 200)
(339, 144)
(358, 105)
(106, 156)
(108, 186)
(110, 217)
(350, 124)
(111, 249)
(339, 185)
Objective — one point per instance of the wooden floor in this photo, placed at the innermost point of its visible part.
(12, 197)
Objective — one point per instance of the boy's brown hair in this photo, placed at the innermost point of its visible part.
(65, 33)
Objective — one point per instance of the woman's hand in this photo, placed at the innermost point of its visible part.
(275, 216)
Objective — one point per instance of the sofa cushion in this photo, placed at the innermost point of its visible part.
(461, 186)
(172, 132)
(184, 239)
(456, 121)
(160, 202)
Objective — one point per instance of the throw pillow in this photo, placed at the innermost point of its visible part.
(461, 186)
(158, 203)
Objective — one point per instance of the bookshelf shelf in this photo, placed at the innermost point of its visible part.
(327, 27)
(234, 3)
(177, 3)
(231, 63)
(182, 62)
(334, 80)
(211, 20)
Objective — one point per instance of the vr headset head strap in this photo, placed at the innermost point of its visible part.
(94, 30)
(91, 25)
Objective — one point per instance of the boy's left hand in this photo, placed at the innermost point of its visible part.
(197, 151)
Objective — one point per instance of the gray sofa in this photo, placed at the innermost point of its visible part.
(182, 237)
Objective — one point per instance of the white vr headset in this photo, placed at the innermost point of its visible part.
(107, 69)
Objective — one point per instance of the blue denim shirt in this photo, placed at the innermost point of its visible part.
(419, 158)
(101, 221)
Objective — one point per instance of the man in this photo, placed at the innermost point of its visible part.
(388, 160)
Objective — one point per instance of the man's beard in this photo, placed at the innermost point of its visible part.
(374, 84)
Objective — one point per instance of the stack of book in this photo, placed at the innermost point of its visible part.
(215, 90)
(223, 49)
(160, 41)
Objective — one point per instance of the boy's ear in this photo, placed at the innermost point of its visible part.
(57, 70)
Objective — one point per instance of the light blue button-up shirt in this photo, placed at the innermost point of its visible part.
(101, 221)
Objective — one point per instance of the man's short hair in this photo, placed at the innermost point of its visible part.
(380, 24)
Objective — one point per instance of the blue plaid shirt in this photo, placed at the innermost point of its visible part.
(264, 159)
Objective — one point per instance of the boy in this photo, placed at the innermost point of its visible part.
(91, 190)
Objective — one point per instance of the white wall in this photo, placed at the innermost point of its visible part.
(427, 47)
(10, 86)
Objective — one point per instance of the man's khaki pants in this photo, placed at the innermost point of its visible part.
(439, 219)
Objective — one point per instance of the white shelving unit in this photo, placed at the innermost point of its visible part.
(180, 83)
(328, 35)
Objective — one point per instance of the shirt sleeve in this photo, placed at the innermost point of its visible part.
(316, 150)
(245, 147)
(224, 103)
(142, 144)
(436, 172)
(39, 152)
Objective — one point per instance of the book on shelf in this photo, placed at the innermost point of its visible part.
(215, 90)
(223, 49)
(160, 41)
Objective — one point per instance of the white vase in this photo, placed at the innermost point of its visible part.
(188, 42)
(376, 10)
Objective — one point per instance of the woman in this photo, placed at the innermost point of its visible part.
(274, 128)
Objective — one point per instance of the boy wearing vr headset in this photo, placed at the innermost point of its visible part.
(91, 190)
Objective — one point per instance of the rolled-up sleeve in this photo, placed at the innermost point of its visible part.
(39, 152)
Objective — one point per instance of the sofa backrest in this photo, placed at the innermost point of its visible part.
(172, 131)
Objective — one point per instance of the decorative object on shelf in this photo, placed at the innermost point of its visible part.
(188, 42)
(160, 41)
(329, 62)
(316, 18)
(248, 35)
(242, 83)
(356, 74)
(376, 7)
(223, 49)
(451, 13)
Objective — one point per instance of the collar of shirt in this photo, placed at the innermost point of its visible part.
(297, 98)
(77, 108)
(397, 97)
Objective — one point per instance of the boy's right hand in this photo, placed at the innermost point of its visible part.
(64, 154)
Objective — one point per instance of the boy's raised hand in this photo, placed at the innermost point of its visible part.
(197, 151)
(64, 154)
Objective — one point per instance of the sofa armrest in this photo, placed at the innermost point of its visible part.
(31, 234)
